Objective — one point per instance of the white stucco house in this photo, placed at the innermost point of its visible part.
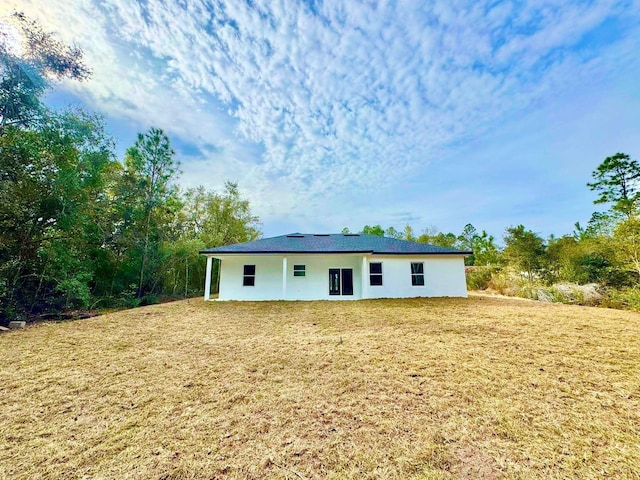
(335, 267)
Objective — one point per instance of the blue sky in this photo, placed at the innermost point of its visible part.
(345, 113)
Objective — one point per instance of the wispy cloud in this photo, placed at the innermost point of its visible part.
(310, 102)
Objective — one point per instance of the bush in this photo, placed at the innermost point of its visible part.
(551, 294)
(505, 282)
(75, 291)
(478, 278)
(570, 293)
(627, 298)
(149, 300)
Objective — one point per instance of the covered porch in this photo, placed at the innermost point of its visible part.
(288, 277)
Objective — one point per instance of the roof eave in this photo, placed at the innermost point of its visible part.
(325, 252)
(423, 253)
(277, 252)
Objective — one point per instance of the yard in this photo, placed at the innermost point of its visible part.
(421, 388)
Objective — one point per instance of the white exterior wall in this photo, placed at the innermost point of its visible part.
(315, 284)
(444, 277)
(268, 284)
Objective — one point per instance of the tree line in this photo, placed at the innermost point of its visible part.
(483, 245)
(605, 252)
(80, 228)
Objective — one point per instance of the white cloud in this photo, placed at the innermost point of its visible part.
(342, 103)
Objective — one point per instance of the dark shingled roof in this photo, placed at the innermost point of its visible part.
(334, 243)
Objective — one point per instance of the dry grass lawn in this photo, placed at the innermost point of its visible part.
(394, 389)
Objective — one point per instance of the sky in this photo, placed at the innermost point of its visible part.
(333, 114)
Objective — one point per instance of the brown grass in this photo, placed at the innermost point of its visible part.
(420, 388)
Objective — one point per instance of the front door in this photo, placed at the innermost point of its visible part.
(340, 278)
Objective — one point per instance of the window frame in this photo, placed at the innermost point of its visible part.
(299, 270)
(417, 277)
(373, 275)
(249, 279)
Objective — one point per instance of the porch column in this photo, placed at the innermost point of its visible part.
(207, 280)
(365, 274)
(284, 278)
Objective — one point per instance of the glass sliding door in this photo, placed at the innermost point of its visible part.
(347, 281)
(340, 281)
(334, 281)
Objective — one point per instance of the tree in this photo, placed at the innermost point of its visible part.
(627, 243)
(148, 195)
(524, 250)
(220, 219)
(441, 239)
(466, 241)
(467, 237)
(207, 219)
(600, 224)
(76, 225)
(393, 233)
(427, 234)
(616, 178)
(431, 236)
(25, 76)
(485, 251)
(563, 259)
(375, 230)
(408, 233)
(51, 206)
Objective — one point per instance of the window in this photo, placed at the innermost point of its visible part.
(299, 270)
(417, 274)
(249, 277)
(375, 274)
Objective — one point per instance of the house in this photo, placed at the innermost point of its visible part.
(335, 267)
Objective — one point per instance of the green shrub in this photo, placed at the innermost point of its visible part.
(478, 278)
(149, 300)
(628, 298)
(505, 283)
(75, 291)
(570, 293)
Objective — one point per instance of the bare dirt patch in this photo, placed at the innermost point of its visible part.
(421, 388)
